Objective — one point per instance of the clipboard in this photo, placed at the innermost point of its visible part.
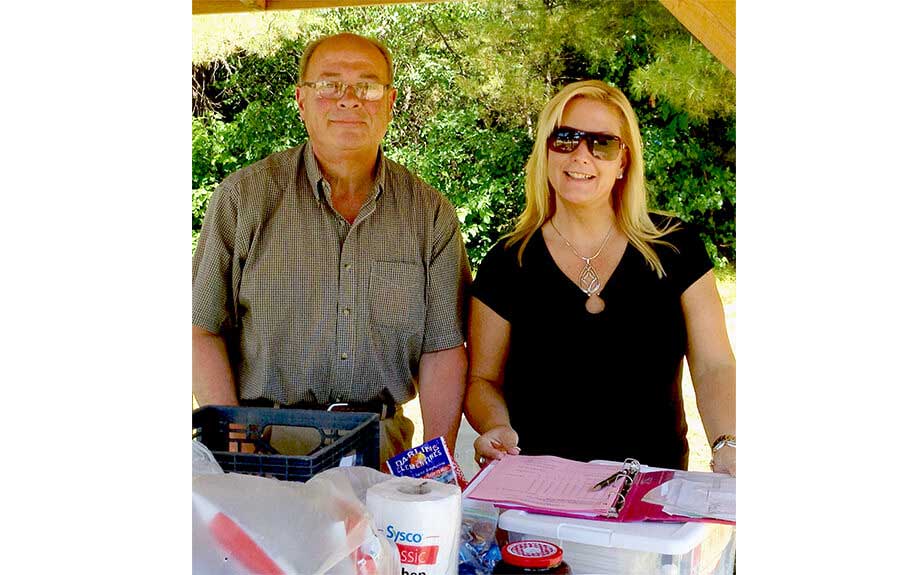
(552, 485)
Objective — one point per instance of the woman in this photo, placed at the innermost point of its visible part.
(581, 317)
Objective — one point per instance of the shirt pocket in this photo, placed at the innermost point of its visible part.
(397, 295)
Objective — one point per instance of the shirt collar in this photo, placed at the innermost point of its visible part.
(315, 176)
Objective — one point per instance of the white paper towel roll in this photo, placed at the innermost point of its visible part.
(423, 518)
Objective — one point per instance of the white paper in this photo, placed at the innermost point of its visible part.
(695, 494)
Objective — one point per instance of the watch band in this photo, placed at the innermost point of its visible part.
(722, 441)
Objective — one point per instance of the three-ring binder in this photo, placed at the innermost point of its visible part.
(555, 486)
(628, 472)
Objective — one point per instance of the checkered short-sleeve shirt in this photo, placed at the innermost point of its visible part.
(314, 308)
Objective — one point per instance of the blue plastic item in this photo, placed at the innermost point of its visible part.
(342, 434)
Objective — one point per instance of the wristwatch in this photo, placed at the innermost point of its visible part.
(722, 441)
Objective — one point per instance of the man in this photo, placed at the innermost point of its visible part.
(327, 274)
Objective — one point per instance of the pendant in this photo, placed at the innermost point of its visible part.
(595, 304)
(588, 279)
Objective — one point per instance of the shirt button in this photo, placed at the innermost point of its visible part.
(344, 356)
(346, 311)
(348, 266)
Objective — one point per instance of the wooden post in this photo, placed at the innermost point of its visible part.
(712, 22)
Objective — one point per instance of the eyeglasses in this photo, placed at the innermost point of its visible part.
(602, 146)
(333, 90)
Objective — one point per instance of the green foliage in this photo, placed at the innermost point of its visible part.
(200, 199)
(477, 168)
(690, 171)
(693, 80)
(471, 78)
(247, 111)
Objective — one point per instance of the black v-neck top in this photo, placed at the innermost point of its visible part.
(604, 386)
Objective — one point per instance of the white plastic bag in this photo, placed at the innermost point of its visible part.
(203, 460)
(244, 524)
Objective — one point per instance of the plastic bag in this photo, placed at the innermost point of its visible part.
(244, 524)
(479, 551)
(696, 494)
(203, 460)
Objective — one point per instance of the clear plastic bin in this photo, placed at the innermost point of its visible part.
(641, 548)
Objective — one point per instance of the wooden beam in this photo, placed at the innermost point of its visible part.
(228, 6)
(712, 22)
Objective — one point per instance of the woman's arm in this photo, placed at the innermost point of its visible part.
(485, 407)
(712, 365)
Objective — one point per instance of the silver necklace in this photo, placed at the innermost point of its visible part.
(588, 281)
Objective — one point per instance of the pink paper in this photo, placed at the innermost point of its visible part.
(546, 482)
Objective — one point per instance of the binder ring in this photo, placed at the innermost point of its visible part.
(631, 466)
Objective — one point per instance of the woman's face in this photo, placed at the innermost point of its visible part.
(579, 178)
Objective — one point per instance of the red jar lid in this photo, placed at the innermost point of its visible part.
(532, 554)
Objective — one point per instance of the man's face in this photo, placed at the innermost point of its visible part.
(346, 124)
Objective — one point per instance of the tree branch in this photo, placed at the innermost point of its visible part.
(457, 57)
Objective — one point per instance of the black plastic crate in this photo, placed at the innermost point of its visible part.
(342, 433)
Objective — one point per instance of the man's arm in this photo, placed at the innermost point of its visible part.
(441, 387)
(442, 373)
(214, 269)
(212, 377)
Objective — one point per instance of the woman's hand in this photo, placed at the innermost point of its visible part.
(723, 461)
(495, 443)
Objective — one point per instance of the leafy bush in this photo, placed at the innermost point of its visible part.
(478, 169)
(692, 176)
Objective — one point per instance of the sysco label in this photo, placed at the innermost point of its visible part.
(400, 536)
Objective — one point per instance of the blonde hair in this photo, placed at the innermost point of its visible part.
(312, 46)
(629, 194)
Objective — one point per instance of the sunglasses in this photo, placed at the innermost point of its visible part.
(565, 140)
